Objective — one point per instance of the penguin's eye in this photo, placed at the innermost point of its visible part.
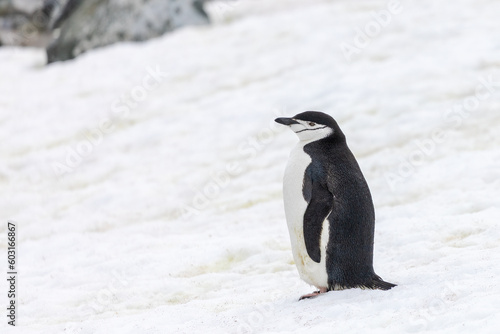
(312, 124)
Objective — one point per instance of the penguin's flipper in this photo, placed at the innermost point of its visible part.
(320, 204)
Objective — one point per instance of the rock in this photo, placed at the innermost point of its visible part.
(91, 24)
(22, 23)
(61, 10)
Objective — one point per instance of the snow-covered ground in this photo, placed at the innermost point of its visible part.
(145, 179)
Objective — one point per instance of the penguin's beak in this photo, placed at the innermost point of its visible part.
(286, 121)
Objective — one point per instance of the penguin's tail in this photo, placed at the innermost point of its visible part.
(378, 283)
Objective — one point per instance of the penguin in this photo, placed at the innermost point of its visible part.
(328, 208)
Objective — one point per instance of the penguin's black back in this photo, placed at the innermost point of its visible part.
(349, 254)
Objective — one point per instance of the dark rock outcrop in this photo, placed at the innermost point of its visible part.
(89, 24)
(22, 23)
(68, 28)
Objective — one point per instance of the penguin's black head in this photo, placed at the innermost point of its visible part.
(312, 125)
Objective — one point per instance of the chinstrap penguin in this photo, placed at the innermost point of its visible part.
(328, 207)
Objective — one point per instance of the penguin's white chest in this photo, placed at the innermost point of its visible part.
(295, 206)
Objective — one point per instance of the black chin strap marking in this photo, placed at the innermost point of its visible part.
(311, 129)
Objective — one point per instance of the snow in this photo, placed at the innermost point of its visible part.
(27, 5)
(170, 218)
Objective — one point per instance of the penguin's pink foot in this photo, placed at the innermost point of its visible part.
(314, 294)
(310, 295)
